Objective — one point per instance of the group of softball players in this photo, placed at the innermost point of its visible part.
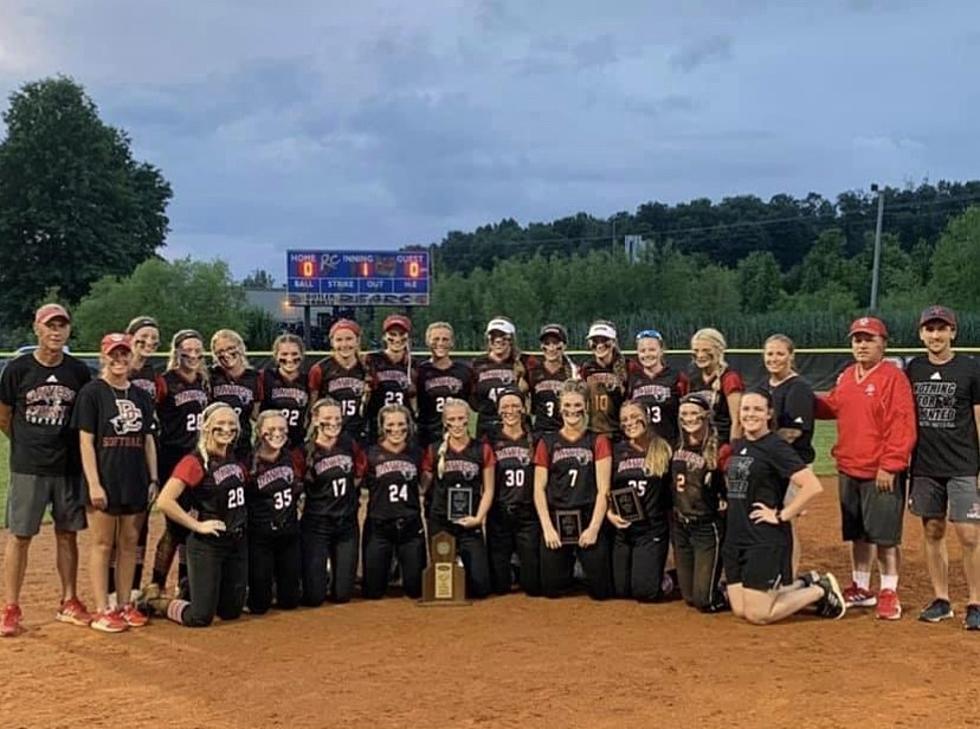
(600, 473)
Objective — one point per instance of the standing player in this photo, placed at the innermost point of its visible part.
(945, 463)
(512, 524)
(872, 402)
(275, 481)
(571, 474)
(503, 367)
(37, 395)
(342, 376)
(711, 375)
(605, 377)
(655, 384)
(334, 469)
(545, 377)
(793, 403)
(460, 462)
(439, 378)
(183, 392)
(394, 517)
(641, 462)
(390, 373)
(283, 387)
(119, 459)
(236, 383)
(757, 539)
(216, 551)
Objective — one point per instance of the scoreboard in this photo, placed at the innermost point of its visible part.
(358, 278)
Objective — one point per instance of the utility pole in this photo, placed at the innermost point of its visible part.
(876, 267)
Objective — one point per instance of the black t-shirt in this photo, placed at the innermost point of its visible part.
(271, 493)
(288, 397)
(944, 398)
(42, 398)
(434, 387)
(545, 386)
(328, 378)
(660, 395)
(391, 383)
(759, 471)
(696, 490)
(240, 393)
(180, 407)
(119, 420)
(331, 479)
(217, 490)
(513, 470)
(793, 406)
(571, 468)
(393, 482)
(627, 472)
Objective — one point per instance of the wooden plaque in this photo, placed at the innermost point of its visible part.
(443, 581)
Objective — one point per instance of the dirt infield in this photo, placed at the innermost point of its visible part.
(508, 662)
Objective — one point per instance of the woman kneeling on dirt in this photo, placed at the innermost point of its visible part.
(758, 540)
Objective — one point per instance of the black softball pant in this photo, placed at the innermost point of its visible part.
(217, 569)
(558, 566)
(697, 556)
(514, 529)
(273, 559)
(382, 540)
(639, 554)
(337, 539)
(472, 549)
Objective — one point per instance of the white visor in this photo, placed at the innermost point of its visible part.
(501, 325)
(601, 330)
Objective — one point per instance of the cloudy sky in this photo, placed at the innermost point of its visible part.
(377, 124)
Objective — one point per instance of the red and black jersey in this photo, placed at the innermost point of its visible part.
(628, 472)
(571, 467)
(716, 390)
(345, 385)
(435, 386)
(545, 385)
(513, 470)
(660, 395)
(393, 482)
(331, 479)
(460, 469)
(607, 392)
(696, 490)
(390, 383)
(217, 490)
(272, 493)
(145, 379)
(289, 397)
(490, 378)
(180, 404)
(241, 393)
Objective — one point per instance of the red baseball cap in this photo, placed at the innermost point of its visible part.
(114, 341)
(397, 320)
(868, 325)
(51, 311)
(348, 324)
(938, 313)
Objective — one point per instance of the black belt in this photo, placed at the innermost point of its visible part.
(696, 519)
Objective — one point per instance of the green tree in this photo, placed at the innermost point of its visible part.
(183, 294)
(259, 279)
(956, 263)
(74, 204)
(759, 284)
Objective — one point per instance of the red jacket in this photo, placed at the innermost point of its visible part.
(876, 425)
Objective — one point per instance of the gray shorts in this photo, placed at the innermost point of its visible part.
(29, 496)
(933, 498)
(870, 515)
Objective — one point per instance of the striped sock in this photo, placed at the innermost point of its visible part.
(175, 610)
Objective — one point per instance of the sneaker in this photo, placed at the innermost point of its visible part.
(832, 605)
(889, 608)
(856, 596)
(810, 578)
(74, 611)
(936, 611)
(133, 617)
(108, 622)
(972, 621)
(10, 622)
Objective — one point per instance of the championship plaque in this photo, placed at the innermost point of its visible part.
(444, 581)
(569, 526)
(459, 502)
(627, 505)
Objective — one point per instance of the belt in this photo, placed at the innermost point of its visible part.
(695, 519)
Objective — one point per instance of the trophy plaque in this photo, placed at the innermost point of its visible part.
(627, 505)
(443, 581)
(459, 502)
(569, 525)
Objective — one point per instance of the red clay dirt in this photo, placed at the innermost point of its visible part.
(505, 662)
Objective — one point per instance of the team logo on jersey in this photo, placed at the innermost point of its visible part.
(291, 394)
(129, 418)
(227, 472)
(658, 393)
(467, 469)
(870, 389)
(935, 376)
(406, 468)
(451, 384)
(285, 474)
(232, 390)
(630, 464)
(582, 455)
(344, 463)
(186, 397)
(346, 383)
(514, 453)
(49, 404)
(504, 376)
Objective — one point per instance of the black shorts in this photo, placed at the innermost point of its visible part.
(762, 567)
(870, 515)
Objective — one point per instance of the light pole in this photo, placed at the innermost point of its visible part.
(876, 266)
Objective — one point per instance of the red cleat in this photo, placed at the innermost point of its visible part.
(889, 608)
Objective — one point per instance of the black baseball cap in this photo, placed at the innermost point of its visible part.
(696, 398)
(938, 313)
(553, 330)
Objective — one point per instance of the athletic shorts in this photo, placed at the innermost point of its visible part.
(933, 498)
(870, 515)
(28, 497)
(763, 567)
